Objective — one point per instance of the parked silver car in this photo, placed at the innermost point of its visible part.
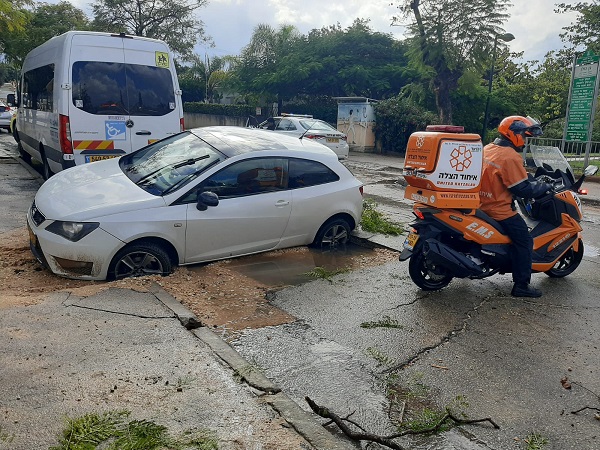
(306, 127)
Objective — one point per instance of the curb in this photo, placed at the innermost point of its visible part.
(302, 422)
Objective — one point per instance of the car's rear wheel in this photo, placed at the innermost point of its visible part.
(137, 260)
(333, 234)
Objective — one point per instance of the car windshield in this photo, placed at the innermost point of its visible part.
(312, 124)
(170, 164)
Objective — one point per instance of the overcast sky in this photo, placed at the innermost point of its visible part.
(230, 22)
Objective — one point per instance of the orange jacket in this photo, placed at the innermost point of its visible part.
(502, 169)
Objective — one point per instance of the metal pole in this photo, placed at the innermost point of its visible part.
(487, 102)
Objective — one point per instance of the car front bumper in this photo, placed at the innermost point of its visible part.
(87, 259)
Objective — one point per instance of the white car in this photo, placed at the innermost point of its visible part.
(6, 115)
(305, 127)
(202, 195)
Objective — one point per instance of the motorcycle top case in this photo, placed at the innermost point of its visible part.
(443, 169)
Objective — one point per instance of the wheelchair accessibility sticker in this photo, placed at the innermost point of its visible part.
(115, 131)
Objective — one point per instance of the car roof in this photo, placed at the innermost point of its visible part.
(233, 141)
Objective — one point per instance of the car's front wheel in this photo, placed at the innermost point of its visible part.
(332, 234)
(137, 260)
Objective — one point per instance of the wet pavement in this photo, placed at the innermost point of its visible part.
(506, 356)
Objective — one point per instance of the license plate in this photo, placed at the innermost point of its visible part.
(333, 140)
(411, 241)
(92, 158)
(32, 236)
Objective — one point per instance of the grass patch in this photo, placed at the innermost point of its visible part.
(325, 274)
(386, 322)
(381, 358)
(535, 441)
(374, 222)
(114, 431)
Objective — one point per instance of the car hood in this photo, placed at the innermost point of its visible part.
(92, 190)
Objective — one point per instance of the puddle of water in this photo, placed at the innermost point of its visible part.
(289, 267)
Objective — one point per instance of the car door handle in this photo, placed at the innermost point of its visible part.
(143, 132)
(280, 203)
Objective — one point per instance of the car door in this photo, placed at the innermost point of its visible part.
(253, 211)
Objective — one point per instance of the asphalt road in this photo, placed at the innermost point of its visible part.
(505, 356)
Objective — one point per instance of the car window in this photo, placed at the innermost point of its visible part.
(304, 173)
(169, 164)
(311, 124)
(248, 177)
(105, 88)
(285, 125)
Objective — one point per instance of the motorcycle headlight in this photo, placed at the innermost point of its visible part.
(73, 231)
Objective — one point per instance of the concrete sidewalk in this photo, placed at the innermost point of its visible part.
(127, 350)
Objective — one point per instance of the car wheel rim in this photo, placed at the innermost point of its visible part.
(138, 264)
(336, 235)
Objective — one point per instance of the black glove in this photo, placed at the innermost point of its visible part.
(531, 189)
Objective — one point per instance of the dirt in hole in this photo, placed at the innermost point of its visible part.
(218, 294)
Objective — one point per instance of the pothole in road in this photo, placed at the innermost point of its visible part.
(286, 268)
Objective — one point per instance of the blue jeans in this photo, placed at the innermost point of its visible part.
(522, 248)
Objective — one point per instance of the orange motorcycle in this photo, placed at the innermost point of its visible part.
(447, 243)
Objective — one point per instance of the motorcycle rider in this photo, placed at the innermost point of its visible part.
(504, 177)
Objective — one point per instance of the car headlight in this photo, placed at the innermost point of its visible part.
(73, 231)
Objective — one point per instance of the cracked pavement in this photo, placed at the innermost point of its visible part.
(506, 356)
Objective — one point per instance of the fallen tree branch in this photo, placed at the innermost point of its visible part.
(388, 440)
(584, 408)
(325, 413)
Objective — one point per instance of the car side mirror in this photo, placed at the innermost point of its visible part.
(206, 199)
(590, 170)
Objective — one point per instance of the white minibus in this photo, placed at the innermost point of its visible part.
(85, 96)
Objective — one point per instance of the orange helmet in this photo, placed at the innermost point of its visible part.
(516, 128)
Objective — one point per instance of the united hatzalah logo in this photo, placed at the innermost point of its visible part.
(460, 158)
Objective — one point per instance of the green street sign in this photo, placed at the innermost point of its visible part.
(583, 92)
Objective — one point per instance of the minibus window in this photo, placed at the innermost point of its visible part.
(105, 88)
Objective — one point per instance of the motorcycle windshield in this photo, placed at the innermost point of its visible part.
(548, 157)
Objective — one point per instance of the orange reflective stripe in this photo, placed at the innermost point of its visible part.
(93, 145)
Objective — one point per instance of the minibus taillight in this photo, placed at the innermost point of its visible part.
(181, 125)
(64, 135)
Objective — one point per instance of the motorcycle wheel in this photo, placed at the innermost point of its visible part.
(427, 276)
(567, 263)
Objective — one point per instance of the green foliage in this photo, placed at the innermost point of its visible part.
(381, 358)
(42, 23)
(583, 31)
(212, 108)
(373, 221)
(323, 108)
(325, 274)
(281, 64)
(396, 119)
(386, 322)
(112, 430)
(173, 21)
(535, 441)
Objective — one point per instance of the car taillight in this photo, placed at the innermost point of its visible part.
(314, 136)
(181, 125)
(64, 135)
(362, 191)
(344, 138)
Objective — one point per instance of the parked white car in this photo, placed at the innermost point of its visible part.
(202, 195)
(6, 115)
(305, 127)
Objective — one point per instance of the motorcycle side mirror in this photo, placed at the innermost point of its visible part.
(206, 199)
(590, 170)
